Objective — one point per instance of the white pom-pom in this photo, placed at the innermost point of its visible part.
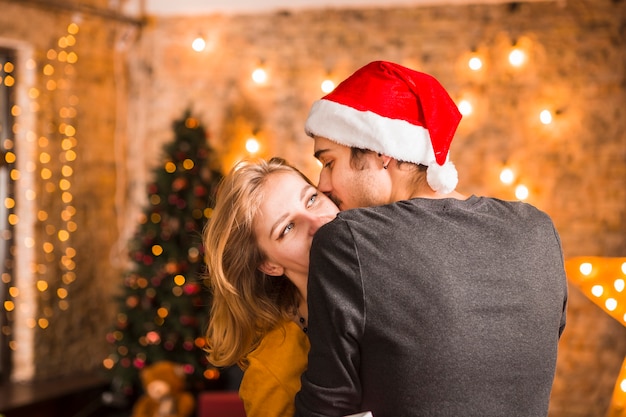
(442, 178)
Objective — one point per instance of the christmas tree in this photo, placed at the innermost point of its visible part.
(164, 303)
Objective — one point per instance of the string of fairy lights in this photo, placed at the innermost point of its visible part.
(43, 174)
(517, 57)
(61, 59)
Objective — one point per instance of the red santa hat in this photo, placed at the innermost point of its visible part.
(393, 110)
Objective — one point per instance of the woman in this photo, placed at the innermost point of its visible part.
(257, 251)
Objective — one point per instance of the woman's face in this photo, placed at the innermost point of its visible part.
(290, 213)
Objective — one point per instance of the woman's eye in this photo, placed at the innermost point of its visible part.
(328, 164)
(287, 229)
(312, 200)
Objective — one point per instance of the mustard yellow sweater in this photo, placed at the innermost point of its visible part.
(272, 379)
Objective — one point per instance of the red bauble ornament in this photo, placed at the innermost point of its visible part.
(199, 191)
(191, 288)
(179, 183)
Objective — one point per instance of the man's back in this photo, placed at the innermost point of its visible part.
(434, 308)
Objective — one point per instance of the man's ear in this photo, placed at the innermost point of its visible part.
(271, 268)
(386, 160)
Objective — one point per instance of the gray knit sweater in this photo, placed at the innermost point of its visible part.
(434, 308)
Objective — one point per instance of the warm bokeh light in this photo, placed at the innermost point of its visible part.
(327, 86)
(546, 117)
(517, 57)
(48, 69)
(170, 167)
(188, 164)
(198, 44)
(597, 290)
(211, 374)
(13, 219)
(9, 81)
(259, 75)
(72, 28)
(63, 235)
(585, 268)
(179, 280)
(521, 192)
(465, 107)
(9, 157)
(507, 176)
(252, 145)
(108, 363)
(153, 337)
(475, 63)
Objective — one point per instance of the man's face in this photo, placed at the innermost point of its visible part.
(361, 184)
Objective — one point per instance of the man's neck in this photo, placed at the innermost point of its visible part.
(435, 195)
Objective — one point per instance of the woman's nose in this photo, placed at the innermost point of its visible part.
(317, 222)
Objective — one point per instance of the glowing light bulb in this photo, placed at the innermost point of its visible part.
(252, 145)
(611, 304)
(517, 57)
(475, 63)
(259, 76)
(198, 44)
(585, 268)
(465, 107)
(546, 117)
(619, 285)
(597, 290)
(507, 176)
(153, 337)
(327, 86)
(521, 192)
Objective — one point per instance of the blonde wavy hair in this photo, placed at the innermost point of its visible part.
(246, 302)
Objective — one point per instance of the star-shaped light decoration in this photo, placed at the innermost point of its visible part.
(603, 281)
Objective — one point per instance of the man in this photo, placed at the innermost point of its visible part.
(423, 301)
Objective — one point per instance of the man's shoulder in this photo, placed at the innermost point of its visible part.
(520, 207)
(358, 216)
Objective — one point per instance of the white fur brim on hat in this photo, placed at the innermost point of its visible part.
(397, 138)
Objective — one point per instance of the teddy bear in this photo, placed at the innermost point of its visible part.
(164, 392)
